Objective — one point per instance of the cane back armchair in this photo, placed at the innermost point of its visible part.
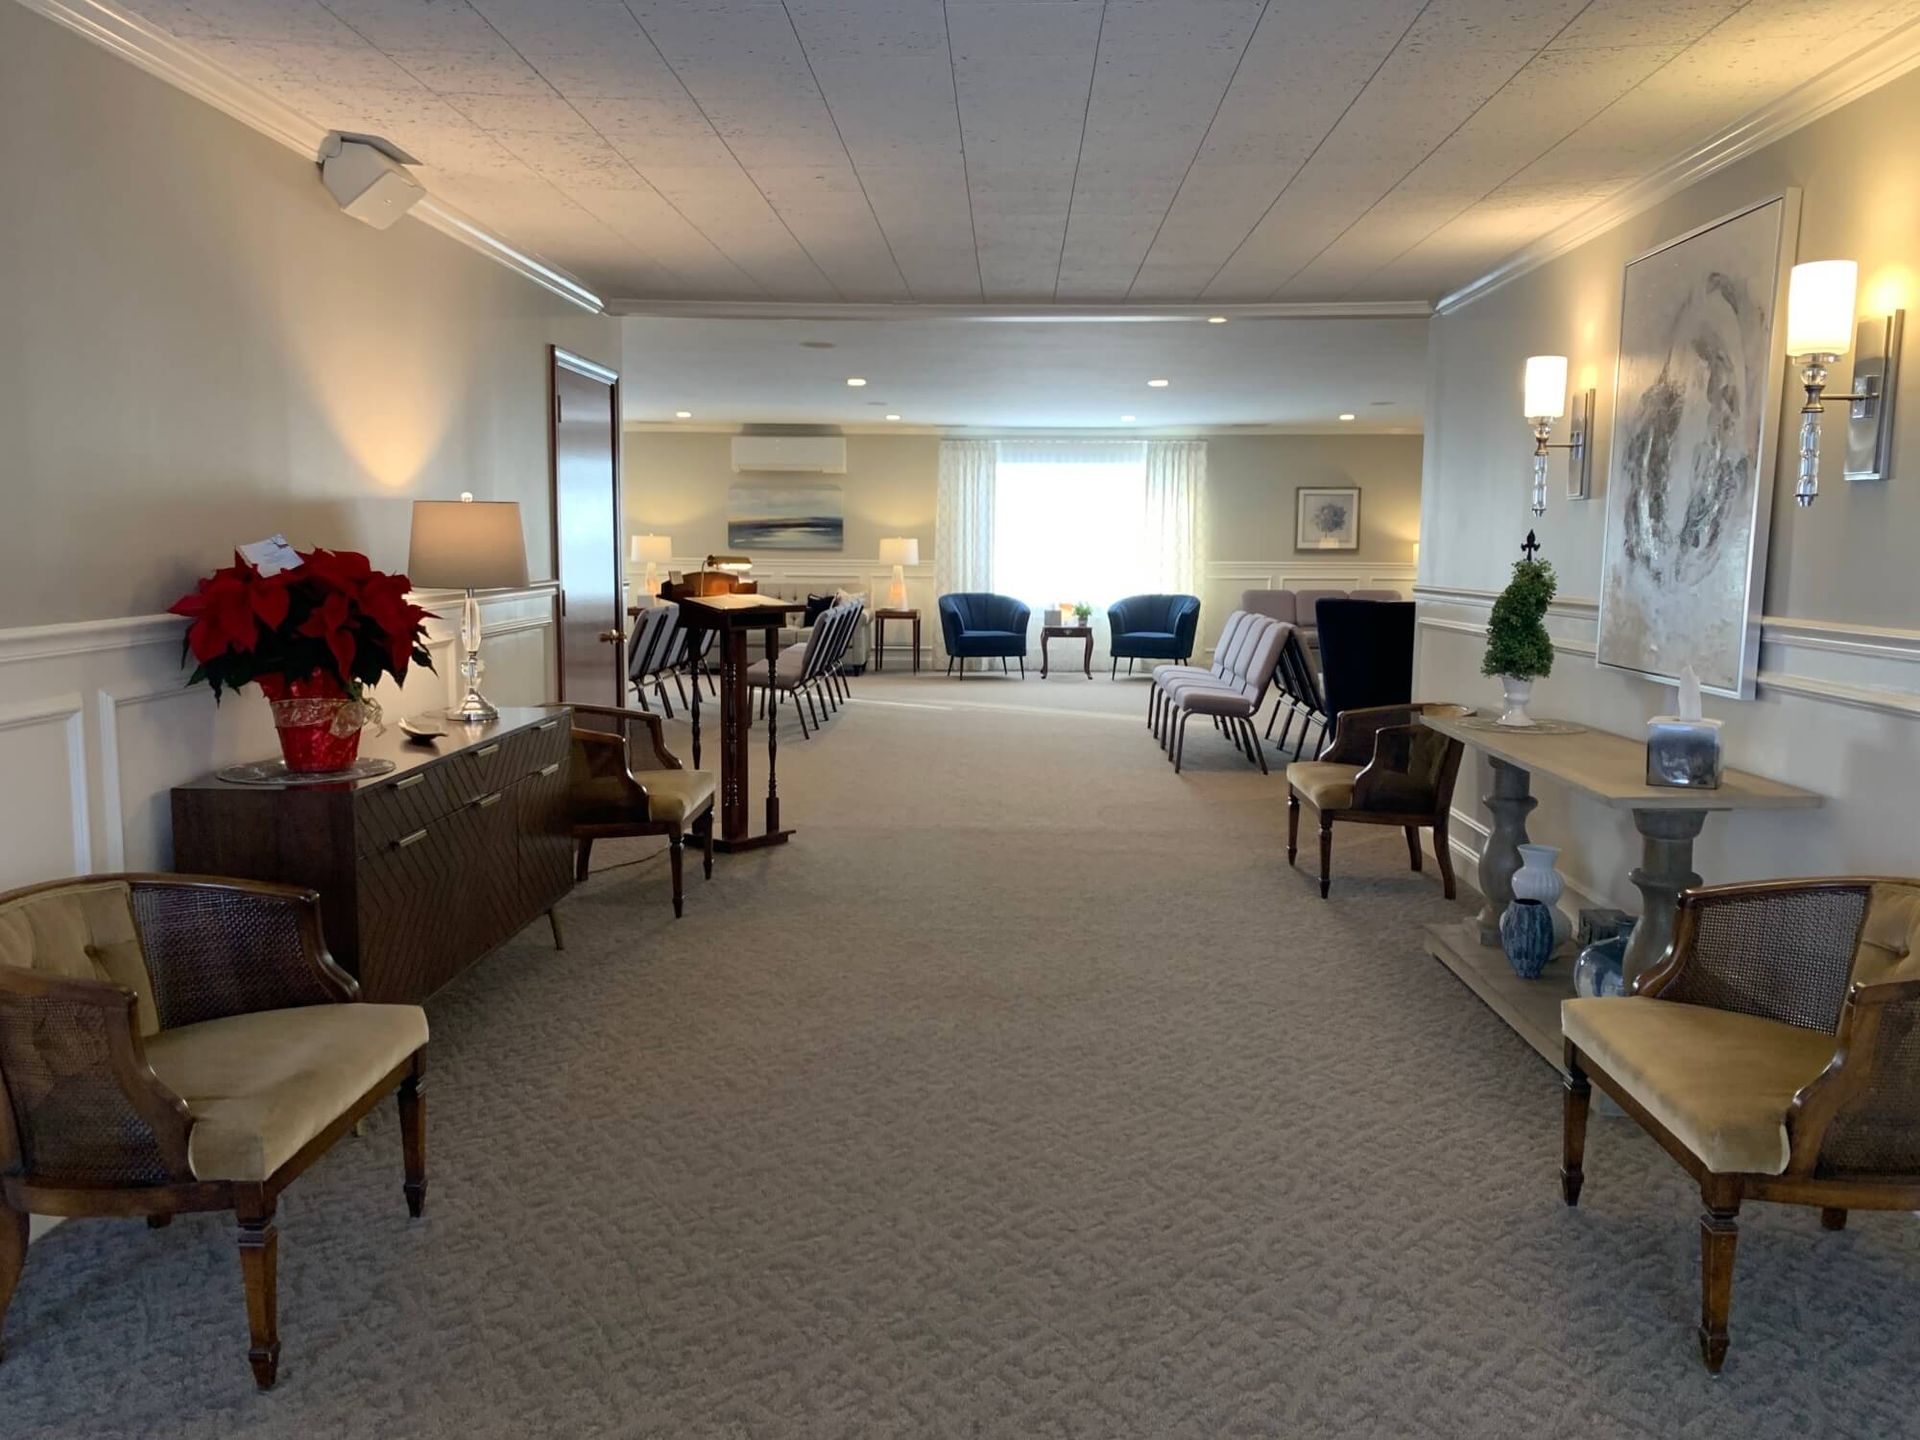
(610, 797)
(1774, 1052)
(174, 1043)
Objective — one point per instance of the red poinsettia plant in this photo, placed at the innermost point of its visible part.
(330, 620)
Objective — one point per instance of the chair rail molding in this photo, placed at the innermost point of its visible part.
(92, 739)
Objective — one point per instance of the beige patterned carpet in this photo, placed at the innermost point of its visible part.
(1027, 1094)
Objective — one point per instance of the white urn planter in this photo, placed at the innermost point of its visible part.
(1517, 692)
(1536, 879)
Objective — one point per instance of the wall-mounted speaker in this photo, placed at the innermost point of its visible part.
(368, 178)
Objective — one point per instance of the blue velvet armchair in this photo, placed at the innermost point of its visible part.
(978, 625)
(1152, 627)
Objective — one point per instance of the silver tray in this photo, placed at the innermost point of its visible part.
(275, 772)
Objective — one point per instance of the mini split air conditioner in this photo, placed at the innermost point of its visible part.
(368, 178)
(818, 454)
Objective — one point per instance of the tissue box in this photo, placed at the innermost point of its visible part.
(1683, 754)
(1051, 617)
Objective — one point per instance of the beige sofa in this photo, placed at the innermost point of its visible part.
(858, 650)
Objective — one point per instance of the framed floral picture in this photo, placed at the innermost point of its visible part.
(1326, 517)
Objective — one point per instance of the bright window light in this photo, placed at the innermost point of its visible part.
(1070, 523)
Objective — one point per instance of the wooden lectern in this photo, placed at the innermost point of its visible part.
(734, 617)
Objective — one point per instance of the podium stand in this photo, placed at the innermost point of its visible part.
(734, 618)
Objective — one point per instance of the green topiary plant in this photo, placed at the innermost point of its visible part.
(1517, 643)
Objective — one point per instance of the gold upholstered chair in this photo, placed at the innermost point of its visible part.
(609, 797)
(169, 1044)
(1383, 768)
(1774, 1052)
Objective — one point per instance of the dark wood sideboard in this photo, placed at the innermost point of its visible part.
(420, 871)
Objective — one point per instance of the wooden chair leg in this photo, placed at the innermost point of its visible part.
(582, 852)
(1326, 855)
(1443, 857)
(413, 1134)
(1832, 1217)
(1719, 1232)
(260, 1269)
(553, 924)
(1576, 1098)
(1413, 847)
(676, 850)
(1293, 824)
(13, 1259)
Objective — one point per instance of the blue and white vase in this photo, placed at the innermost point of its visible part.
(1597, 972)
(1526, 934)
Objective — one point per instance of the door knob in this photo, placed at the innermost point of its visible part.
(611, 637)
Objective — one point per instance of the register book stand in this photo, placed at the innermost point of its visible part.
(734, 618)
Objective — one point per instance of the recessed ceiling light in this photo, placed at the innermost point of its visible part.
(816, 344)
(1126, 419)
(855, 381)
(1346, 415)
(1216, 319)
(893, 417)
(1158, 384)
(683, 414)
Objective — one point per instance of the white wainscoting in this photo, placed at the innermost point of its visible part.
(97, 724)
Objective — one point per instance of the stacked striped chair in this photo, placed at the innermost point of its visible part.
(812, 670)
(1230, 693)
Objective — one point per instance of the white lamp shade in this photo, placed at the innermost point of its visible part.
(900, 550)
(467, 545)
(650, 549)
(1546, 387)
(1820, 307)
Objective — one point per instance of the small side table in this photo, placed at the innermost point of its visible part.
(1067, 632)
(880, 618)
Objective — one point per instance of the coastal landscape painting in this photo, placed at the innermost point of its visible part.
(785, 517)
(1696, 408)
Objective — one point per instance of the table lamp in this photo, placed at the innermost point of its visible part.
(899, 551)
(469, 545)
(653, 551)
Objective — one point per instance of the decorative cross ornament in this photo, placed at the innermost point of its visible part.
(1531, 547)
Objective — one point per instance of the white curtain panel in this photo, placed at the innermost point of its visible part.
(1176, 517)
(963, 521)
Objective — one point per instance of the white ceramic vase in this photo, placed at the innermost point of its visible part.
(1517, 693)
(1536, 879)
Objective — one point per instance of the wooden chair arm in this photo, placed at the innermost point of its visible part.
(216, 947)
(1389, 781)
(1354, 732)
(1839, 1121)
(667, 759)
(108, 1120)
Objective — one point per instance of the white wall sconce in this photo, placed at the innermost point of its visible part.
(1545, 390)
(1820, 329)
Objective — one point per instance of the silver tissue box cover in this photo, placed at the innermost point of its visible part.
(1683, 754)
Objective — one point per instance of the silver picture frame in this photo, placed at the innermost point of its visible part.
(1666, 601)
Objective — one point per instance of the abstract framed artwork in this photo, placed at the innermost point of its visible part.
(1696, 414)
(785, 517)
(1326, 517)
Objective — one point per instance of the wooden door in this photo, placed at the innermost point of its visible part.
(586, 529)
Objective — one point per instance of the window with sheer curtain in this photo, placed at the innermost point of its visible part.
(1070, 521)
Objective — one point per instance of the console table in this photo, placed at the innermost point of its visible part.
(1611, 769)
(421, 871)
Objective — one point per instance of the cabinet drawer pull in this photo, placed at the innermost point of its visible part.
(486, 750)
(549, 769)
(414, 839)
(410, 780)
(546, 724)
(485, 800)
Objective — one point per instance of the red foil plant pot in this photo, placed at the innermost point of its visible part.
(315, 639)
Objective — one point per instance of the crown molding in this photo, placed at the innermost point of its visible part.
(1017, 314)
(1840, 84)
(160, 55)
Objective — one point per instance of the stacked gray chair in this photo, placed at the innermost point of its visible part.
(1231, 694)
(653, 652)
(810, 671)
(1167, 677)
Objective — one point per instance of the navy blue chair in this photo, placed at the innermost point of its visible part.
(977, 625)
(1152, 627)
